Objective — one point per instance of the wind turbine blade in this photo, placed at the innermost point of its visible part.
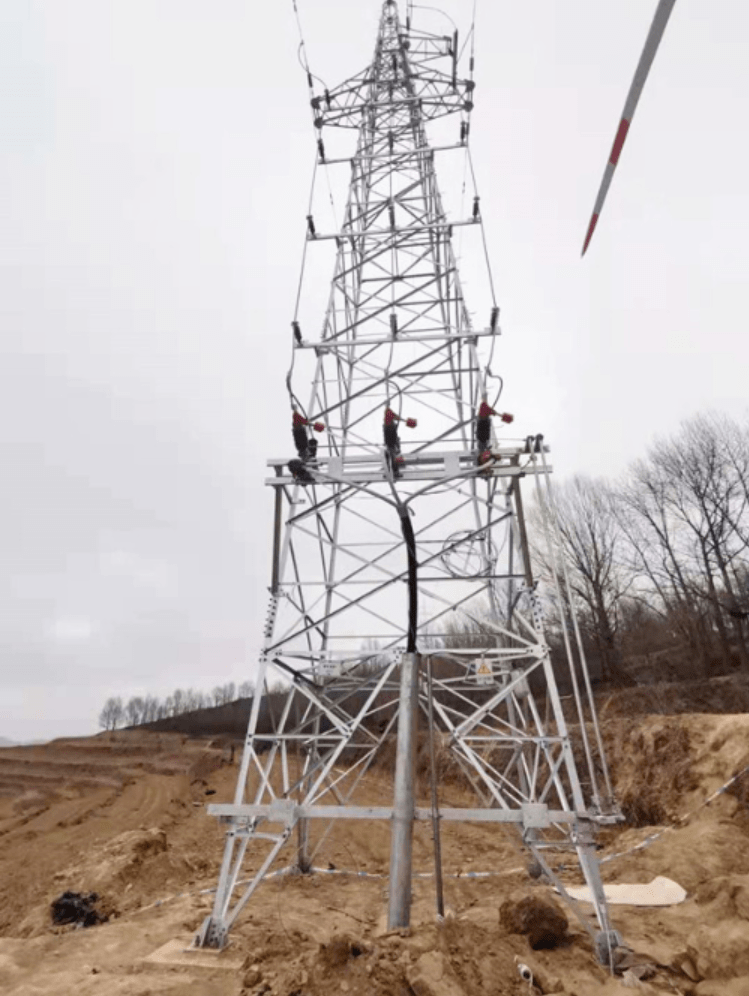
(660, 20)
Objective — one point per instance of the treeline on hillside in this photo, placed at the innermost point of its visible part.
(148, 708)
(659, 559)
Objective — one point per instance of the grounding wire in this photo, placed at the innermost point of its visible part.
(303, 63)
(470, 36)
(297, 303)
(306, 243)
(494, 376)
(437, 10)
(302, 51)
(303, 59)
(394, 265)
(483, 235)
(463, 200)
(475, 187)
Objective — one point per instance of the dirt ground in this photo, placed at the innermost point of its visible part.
(124, 815)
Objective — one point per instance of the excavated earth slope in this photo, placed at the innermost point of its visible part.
(123, 815)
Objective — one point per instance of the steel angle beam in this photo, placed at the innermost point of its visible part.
(529, 814)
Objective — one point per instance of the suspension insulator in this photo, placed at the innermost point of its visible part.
(391, 140)
(494, 319)
(297, 332)
(321, 150)
(311, 226)
(391, 212)
(309, 79)
(476, 208)
(395, 64)
(394, 325)
(328, 98)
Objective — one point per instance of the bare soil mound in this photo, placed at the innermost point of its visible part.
(719, 694)
(665, 766)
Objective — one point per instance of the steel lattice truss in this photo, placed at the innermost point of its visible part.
(397, 334)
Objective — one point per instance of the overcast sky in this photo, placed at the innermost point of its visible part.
(155, 158)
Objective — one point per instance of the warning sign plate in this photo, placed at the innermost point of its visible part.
(484, 672)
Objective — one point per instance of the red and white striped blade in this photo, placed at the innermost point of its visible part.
(660, 20)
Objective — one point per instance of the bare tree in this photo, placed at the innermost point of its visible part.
(685, 512)
(661, 555)
(592, 540)
(193, 700)
(707, 463)
(134, 711)
(112, 714)
(150, 709)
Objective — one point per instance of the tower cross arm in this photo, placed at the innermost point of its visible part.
(437, 99)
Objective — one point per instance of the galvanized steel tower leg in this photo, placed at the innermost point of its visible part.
(303, 862)
(399, 907)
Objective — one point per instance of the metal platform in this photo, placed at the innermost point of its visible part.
(430, 465)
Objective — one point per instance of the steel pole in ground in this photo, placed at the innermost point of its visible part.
(435, 800)
(399, 905)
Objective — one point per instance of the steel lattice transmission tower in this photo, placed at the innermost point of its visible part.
(377, 555)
